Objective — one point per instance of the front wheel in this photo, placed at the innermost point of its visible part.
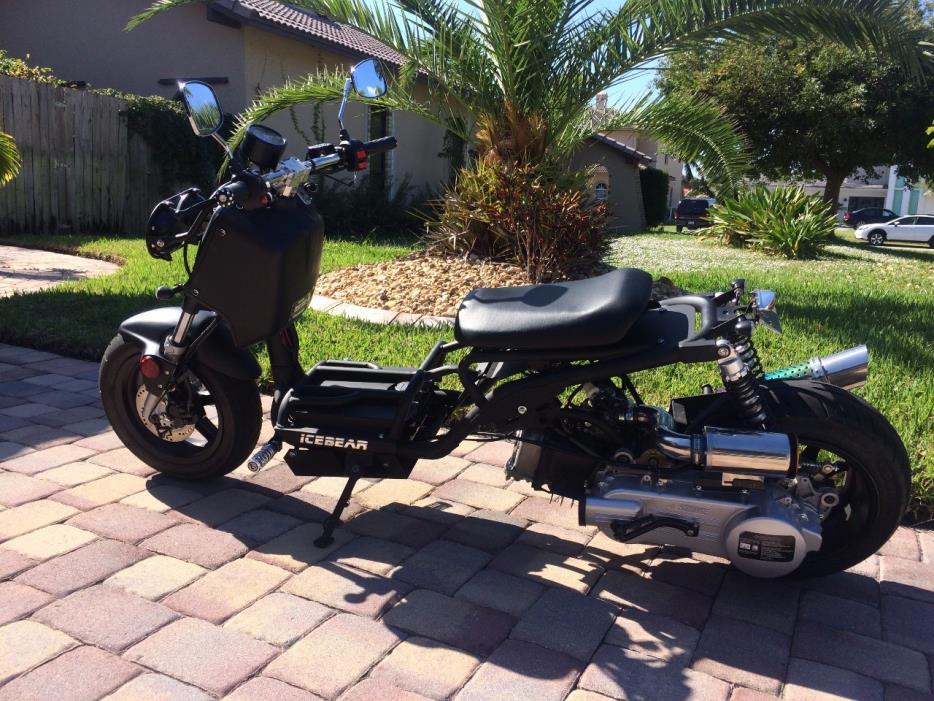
(876, 238)
(205, 428)
(863, 459)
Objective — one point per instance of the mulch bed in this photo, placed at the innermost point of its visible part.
(421, 284)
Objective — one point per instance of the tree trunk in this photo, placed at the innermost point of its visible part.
(832, 188)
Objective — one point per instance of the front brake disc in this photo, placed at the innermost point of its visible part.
(172, 434)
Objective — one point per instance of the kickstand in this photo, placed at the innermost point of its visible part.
(334, 520)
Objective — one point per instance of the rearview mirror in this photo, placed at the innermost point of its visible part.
(204, 111)
(368, 80)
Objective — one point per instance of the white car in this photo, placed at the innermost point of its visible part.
(915, 228)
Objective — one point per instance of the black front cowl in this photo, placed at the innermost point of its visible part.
(257, 269)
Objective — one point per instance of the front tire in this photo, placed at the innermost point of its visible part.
(828, 420)
(224, 425)
(876, 238)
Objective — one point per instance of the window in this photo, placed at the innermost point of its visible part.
(926, 221)
(905, 221)
(875, 203)
(601, 191)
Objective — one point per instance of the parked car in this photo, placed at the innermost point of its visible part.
(919, 229)
(691, 213)
(868, 215)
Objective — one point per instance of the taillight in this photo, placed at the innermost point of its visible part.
(149, 367)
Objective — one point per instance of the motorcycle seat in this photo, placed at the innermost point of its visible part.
(598, 311)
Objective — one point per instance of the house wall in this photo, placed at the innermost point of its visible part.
(627, 213)
(662, 160)
(85, 40)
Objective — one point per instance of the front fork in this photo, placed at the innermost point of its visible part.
(172, 349)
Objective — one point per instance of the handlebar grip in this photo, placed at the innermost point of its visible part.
(248, 191)
(238, 192)
(387, 143)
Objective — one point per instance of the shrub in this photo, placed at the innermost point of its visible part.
(368, 209)
(655, 186)
(18, 68)
(786, 221)
(543, 223)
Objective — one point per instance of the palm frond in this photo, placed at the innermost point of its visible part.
(328, 86)
(696, 130)
(156, 8)
(10, 162)
(651, 28)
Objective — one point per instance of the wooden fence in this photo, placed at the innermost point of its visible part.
(83, 170)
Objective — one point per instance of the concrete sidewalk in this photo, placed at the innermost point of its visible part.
(29, 270)
(120, 583)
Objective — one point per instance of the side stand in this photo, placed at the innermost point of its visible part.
(334, 520)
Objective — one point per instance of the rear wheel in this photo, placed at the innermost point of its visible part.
(876, 238)
(679, 229)
(931, 242)
(863, 459)
(204, 428)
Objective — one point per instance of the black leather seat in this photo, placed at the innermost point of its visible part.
(594, 312)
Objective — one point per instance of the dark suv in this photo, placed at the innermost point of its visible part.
(691, 213)
(868, 215)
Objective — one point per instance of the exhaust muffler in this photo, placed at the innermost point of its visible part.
(847, 369)
(759, 453)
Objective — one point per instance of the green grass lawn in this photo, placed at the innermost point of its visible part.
(79, 318)
(881, 297)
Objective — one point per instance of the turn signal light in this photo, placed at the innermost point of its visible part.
(149, 367)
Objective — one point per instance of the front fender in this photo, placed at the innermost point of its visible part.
(218, 351)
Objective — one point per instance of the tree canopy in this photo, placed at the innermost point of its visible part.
(815, 109)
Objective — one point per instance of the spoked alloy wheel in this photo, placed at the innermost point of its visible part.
(876, 238)
(203, 428)
(868, 469)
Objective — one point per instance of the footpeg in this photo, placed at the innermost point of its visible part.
(627, 530)
(262, 456)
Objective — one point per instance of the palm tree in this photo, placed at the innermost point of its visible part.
(515, 78)
(9, 159)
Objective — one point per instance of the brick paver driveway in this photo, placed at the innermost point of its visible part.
(453, 584)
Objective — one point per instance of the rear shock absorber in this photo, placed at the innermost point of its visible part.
(742, 384)
(746, 350)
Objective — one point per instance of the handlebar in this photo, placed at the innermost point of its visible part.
(250, 190)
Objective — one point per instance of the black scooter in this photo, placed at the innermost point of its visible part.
(781, 473)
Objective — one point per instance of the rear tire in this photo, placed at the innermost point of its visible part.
(878, 474)
(931, 242)
(876, 238)
(235, 429)
(679, 229)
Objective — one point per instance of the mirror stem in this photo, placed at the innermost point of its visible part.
(348, 84)
(231, 158)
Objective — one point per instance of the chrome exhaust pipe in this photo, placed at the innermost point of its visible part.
(758, 453)
(848, 369)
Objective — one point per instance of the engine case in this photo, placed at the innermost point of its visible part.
(764, 533)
